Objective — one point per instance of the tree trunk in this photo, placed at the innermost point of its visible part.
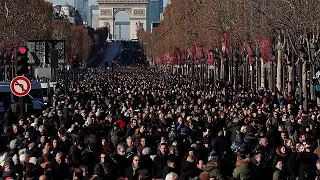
(290, 77)
(235, 75)
(252, 76)
(312, 85)
(223, 70)
(279, 74)
(270, 76)
(258, 73)
(244, 74)
(262, 74)
(293, 81)
(304, 84)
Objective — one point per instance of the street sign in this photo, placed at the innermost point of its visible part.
(20, 86)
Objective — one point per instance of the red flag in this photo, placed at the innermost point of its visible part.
(190, 54)
(194, 51)
(211, 59)
(199, 53)
(265, 47)
(158, 60)
(226, 41)
(206, 53)
(183, 57)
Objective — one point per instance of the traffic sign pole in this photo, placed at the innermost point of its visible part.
(22, 107)
(20, 86)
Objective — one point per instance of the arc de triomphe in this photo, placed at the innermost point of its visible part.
(136, 9)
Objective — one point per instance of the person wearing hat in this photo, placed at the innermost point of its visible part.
(171, 166)
(243, 168)
(33, 150)
(213, 168)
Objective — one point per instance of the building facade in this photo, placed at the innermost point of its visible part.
(92, 19)
(154, 11)
(95, 19)
(137, 10)
(82, 6)
(67, 12)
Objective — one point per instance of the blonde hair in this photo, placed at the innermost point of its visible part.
(242, 129)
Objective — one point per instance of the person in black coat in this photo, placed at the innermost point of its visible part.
(170, 167)
(132, 171)
(159, 162)
(120, 159)
(60, 168)
(75, 152)
(145, 160)
(307, 161)
(293, 164)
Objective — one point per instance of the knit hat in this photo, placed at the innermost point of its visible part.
(32, 145)
(14, 144)
(33, 160)
(15, 159)
(22, 151)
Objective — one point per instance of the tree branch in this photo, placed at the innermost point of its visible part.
(5, 5)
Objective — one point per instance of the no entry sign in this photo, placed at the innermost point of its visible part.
(20, 86)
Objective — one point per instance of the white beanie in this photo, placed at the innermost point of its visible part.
(33, 160)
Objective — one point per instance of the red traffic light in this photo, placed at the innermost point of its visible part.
(74, 57)
(22, 50)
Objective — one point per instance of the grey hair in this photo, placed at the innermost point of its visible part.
(146, 151)
(120, 146)
(172, 176)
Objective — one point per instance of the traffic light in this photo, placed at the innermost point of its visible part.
(74, 61)
(22, 60)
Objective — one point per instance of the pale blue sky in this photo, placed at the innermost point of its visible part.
(121, 16)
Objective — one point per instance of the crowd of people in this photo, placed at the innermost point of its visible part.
(141, 124)
(130, 53)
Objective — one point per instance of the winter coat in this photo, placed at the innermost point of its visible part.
(307, 162)
(244, 170)
(113, 137)
(158, 165)
(293, 165)
(279, 157)
(213, 169)
(278, 175)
